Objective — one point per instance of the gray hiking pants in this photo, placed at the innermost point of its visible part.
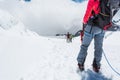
(91, 32)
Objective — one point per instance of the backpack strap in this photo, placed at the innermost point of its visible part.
(104, 14)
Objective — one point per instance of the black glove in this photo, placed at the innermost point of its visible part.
(82, 31)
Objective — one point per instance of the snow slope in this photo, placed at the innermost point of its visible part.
(31, 57)
(24, 55)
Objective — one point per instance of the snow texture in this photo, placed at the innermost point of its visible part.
(25, 55)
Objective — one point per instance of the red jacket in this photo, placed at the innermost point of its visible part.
(93, 5)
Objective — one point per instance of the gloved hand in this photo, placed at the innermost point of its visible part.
(82, 31)
(81, 35)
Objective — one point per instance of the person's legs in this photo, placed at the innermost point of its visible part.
(83, 51)
(98, 42)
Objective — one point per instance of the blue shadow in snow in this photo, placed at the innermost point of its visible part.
(27, 0)
(78, 1)
(90, 75)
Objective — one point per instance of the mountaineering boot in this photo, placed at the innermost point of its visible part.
(81, 67)
(96, 68)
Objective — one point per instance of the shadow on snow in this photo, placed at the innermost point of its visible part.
(90, 75)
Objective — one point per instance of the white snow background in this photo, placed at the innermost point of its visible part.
(26, 55)
(60, 16)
